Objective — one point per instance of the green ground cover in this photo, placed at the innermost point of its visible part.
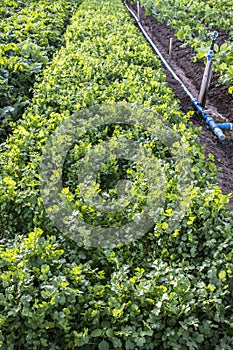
(30, 33)
(170, 288)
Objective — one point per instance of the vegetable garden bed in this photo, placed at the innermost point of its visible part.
(171, 288)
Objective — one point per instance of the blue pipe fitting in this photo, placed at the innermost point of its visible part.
(225, 126)
(218, 132)
(211, 123)
(209, 120)
(210, 55)
(198, 107)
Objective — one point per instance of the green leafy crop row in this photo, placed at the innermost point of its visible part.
(170, 289)
(193, 22)
(29, 38)
(100, 63)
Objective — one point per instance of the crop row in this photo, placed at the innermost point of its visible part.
(29, 38)
(193, 21)
(170, 288)
(94, 67)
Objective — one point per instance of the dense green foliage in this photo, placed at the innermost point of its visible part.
(10, 7)
(193, 21)
(30, 33)
(170, 289)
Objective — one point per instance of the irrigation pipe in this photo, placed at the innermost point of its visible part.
(225, 126)
(209, 120)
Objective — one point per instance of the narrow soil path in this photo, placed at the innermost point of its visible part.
(219, 101)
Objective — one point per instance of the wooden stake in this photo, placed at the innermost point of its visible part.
(208, 71)
(170, 47)
(205, 83)
(138, 9)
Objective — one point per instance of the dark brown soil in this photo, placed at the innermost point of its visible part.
(191, 75)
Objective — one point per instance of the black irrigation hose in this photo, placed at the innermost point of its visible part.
(209, 120)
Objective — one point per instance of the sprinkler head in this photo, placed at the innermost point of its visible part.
(214, 35)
